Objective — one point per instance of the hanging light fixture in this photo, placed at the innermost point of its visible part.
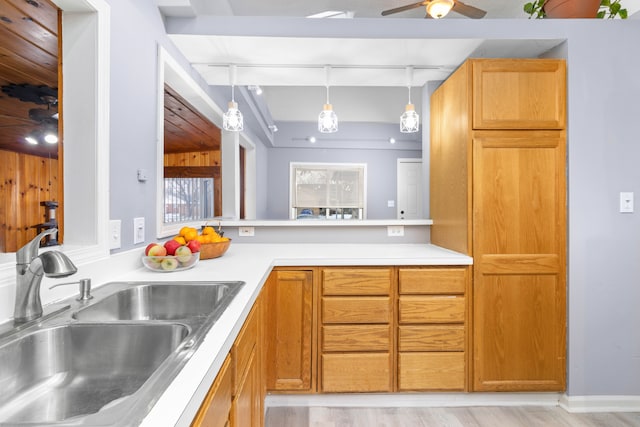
(439, 8)
(409, 120)
(327, 120)
(232, 120)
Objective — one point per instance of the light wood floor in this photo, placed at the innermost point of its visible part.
(518, 416)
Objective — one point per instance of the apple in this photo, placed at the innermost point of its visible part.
(156, 253)
(169, 264)
(171, 246)
(194, 246)
(183, 254)
(149, 246)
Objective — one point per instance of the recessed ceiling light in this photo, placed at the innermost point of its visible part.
(392, 140)
(311, 139)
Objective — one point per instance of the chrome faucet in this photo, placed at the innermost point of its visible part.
(30, 267)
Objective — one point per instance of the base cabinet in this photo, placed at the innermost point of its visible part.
(215, 410)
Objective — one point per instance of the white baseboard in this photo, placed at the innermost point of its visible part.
(404, 400)
(600, 403)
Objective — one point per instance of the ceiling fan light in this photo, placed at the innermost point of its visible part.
(439, 8)
(232, 119)
(31, 138)
(327, 120)
(50, 138)
(409, 120)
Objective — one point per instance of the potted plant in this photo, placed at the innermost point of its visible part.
(575, 9)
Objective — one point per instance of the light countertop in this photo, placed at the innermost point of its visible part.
(252, 264)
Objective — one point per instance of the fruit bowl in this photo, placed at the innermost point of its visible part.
(169, 263)
(214, 249)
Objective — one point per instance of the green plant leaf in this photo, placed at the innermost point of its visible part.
(623, 13)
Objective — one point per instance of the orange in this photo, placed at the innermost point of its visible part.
(206, 238)
(200, 239)
(184, 230)
(180, 240)
(191, 234)
(208, 230)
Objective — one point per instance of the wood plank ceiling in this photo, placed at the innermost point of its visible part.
(185, 129)
(29, 66)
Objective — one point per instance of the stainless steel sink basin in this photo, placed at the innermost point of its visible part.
(61, 372)
(160, 302)
(107, 361)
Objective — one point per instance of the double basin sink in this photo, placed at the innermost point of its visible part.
(106, 362)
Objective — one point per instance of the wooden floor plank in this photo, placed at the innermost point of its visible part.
(488, 416)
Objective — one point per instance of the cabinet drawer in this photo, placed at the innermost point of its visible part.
(431, 338)
(360, 372)
(431, 371)
(431, 309)
(356, 310)
(432, 280)
(354, 281)
(356, 338)
(243, 348)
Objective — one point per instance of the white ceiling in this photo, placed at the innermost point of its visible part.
(367, 78)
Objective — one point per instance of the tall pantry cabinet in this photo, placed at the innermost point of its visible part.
(498, 193)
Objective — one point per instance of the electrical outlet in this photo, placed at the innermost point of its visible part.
(395, 230)
(626, 202)
(246, 231)
(138, 230)
(114, 234)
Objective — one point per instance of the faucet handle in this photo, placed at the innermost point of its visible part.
(84, 288)
(28, 252)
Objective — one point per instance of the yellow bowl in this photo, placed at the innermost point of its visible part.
(214, 250)
(169, 263)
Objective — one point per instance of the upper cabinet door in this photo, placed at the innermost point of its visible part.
(519, 94)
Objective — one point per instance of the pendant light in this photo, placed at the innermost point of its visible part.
(232, 120)
(439, 8)
(409, 120)
(327, 120)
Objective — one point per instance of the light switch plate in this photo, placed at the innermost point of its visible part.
(626, 202)
(114, 234)
(138, 230)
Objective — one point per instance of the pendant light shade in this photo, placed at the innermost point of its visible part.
(439, 8)
(232, 119)
(327, 119)
(409, 120)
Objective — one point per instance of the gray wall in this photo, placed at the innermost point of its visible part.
(604, 107)
(381, 176)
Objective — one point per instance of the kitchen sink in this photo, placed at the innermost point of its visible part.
(61, 372)
(107, 361)
(160, 302)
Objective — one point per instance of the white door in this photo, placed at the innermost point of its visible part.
(409, 192)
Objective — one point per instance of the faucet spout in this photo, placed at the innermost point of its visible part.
(30, 268)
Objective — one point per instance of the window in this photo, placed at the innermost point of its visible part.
(187, 199)
(328, 191)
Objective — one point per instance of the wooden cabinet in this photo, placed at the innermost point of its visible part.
(236, 397)
(432, 319)
(356, 334)
(215, 410)
(289, 335)
(246, 408)
(498, 193)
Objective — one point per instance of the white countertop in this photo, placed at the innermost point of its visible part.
(252, 264)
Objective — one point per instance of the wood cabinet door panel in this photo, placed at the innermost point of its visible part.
(359, 372)
(356, 281)
(216, 407)
(288, 334)
(356, 338)
(431, 338)
(432, 280)
(356, 310)
(519, 94)
(243, 348)
(431, 371)
(431, 309)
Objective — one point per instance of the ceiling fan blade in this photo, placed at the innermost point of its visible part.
(403, 8)
(468, 11)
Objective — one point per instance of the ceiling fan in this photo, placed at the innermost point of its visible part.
(439, 8)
